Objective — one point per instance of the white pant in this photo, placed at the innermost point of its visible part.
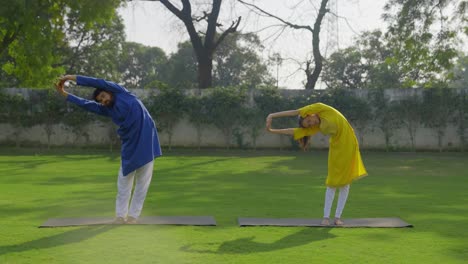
(142, 176)
(330, 195)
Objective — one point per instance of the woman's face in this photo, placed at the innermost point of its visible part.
(311, 120)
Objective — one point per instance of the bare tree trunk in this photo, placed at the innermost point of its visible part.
(205, 78)
(204, 48)
(312, 75)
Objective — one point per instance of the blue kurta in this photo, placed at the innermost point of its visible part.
(137, 131)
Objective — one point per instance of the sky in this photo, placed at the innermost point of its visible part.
(149, 23)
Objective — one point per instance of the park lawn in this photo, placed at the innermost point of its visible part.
(428, 190)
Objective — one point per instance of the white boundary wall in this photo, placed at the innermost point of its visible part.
(185, 134)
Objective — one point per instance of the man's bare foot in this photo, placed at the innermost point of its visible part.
(131, 220)
(118, 221)
(338, 221)
(325, 221)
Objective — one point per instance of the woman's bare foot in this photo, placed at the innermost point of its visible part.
(325, 221)
(338, 221)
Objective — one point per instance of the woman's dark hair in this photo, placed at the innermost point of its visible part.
(96, 93)
(304, 141)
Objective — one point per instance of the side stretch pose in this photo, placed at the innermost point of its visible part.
(344, 159)
(137, 131)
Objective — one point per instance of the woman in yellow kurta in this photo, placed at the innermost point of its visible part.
(344, 159)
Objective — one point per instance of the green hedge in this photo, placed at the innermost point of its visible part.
(240, 113)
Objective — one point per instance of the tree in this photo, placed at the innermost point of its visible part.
(181, 69)
(206, 43)
(312, 72)
(93, 48)
(32, 32)
(236, 62)
(380, 72)
(460, 73)
(423, 50)
(365, 64)
(140, 65)
(344, 69)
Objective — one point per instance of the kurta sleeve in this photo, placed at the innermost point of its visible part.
(99, 83)
(304, 132)
(88, 105)
(312, 109)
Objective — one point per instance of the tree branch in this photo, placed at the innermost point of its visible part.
(211, 28)
(173, 9)
(198, 19)
(231, 29)
(295, 26)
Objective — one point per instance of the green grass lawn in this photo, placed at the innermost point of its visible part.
(428, 190)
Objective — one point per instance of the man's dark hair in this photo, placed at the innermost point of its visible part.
(96, 93)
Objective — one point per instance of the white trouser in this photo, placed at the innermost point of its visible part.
(142, 176)
(330, 195)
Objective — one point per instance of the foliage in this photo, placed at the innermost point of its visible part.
(267, 100)
(33, 35)
(240, 116)
(344, 69)
(167, 108)
(460, 72)
(76, 120)
(198, 114)
(141, 65)
(423, 36)
(270, 100)
(385, 113)
(182, 67)
(93, 48)
(226, 106)
(438, 108)
(237, 62)
(51, 111)
(460, 118)
(16, 111)
(410, 110)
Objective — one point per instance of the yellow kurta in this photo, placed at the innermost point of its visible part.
(344, 159)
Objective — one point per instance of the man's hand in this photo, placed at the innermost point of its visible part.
(67, 78)
(61, 83)
(59, 86)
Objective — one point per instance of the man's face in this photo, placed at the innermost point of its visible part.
(105, 98)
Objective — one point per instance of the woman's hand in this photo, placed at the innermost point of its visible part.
(268, 122)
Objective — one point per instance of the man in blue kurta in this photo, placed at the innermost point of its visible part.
(137, 131)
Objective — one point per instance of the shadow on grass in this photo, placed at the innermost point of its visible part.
(247, 245)
(65, 238)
